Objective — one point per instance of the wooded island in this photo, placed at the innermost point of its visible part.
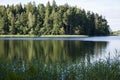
(32, 19)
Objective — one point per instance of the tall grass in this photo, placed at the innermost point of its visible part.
(108, 69)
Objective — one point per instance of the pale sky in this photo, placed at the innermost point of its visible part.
(110, 9)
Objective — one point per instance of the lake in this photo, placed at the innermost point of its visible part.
(59, 50)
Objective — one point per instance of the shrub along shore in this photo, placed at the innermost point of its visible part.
(42, 36)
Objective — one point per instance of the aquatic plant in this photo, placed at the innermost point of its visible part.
(108, 69)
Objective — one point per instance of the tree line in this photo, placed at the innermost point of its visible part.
(50, 19)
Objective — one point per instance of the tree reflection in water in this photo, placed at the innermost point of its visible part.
(50, 51)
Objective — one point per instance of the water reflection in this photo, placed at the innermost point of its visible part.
(50, 51)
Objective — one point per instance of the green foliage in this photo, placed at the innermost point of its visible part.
(50, 20)
(99, 70)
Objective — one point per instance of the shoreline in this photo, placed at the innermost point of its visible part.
(42, 36)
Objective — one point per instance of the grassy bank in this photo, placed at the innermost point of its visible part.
(43, 36)
(99, 70)
(116, 33)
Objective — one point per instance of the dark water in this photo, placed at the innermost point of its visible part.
(52, 50)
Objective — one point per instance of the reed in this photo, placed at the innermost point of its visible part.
(108, 69)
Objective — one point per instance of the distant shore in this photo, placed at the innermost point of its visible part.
(42, 36)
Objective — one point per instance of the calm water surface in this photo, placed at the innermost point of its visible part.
(52, 50)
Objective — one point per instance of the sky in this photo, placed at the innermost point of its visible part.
(110, 9)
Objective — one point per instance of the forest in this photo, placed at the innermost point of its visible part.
(50, 19)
